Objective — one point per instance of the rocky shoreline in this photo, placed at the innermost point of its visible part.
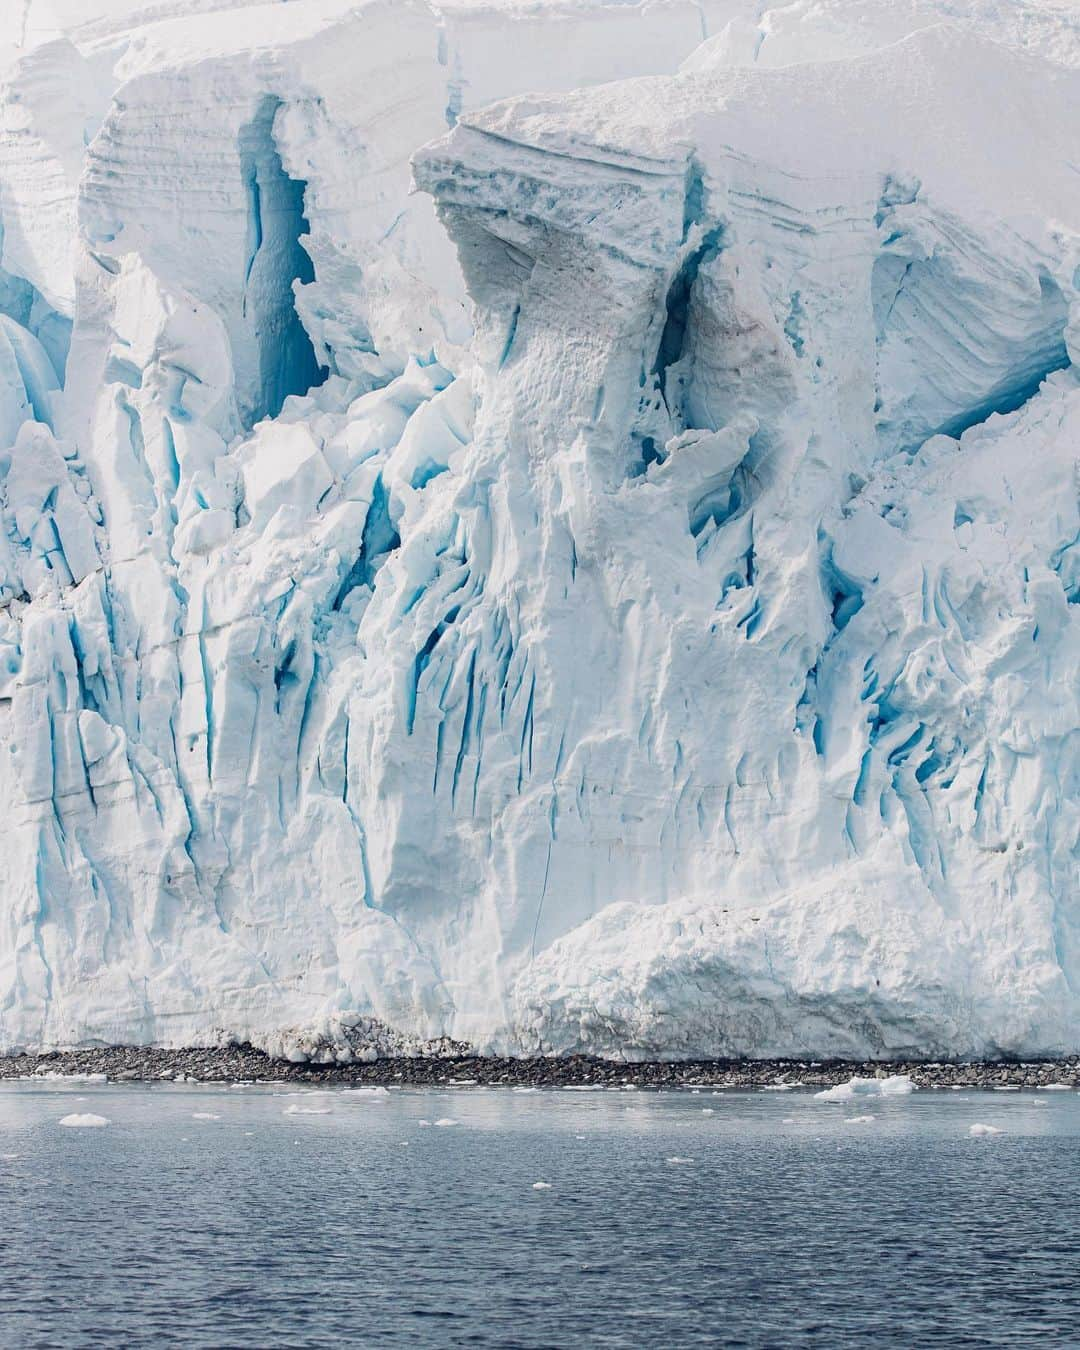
(244, 1063)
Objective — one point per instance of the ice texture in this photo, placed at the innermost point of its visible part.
(552, 526)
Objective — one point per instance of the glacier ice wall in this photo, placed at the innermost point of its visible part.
(611, 586)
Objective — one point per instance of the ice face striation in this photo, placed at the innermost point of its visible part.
(621, 596)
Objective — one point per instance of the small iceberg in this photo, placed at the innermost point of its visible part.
(204, 1115)
(55, 1076)
(541, 1186)
(676, 1161)
(858, 1120)
(445, 1120)
(897, 1085)
(980, 1129)
(86, 1121)
(306, 1111)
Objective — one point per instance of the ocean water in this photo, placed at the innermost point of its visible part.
(217, 1216)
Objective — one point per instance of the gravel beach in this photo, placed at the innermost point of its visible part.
(244, 1063)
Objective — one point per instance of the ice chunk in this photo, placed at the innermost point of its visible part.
(980, 1129)
(86, 1120)
(896, 1085)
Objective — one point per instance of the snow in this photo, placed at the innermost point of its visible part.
(895, 1085)
(84, 1121)
(552, 525)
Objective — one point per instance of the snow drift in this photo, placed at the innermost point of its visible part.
(610, 586)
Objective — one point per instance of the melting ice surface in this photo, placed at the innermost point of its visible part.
(549, 525)
(548, 1219)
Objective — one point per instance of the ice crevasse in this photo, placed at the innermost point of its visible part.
(549, 526)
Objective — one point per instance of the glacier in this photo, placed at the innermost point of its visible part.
(539, 524)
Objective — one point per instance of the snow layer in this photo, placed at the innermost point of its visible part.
(619, 597)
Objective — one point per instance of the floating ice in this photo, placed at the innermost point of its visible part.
(445, 1120)
(980, 1129)
(85, 1121)
(858, 1120)
(676, 1161)
(204, 1115)
(541, 1185)
(306, 1111)
(897, 1085)
(54, 1076)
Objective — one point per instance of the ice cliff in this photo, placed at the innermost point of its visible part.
(553, 525)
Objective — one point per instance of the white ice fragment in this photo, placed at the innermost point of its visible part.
(541, 1185)
(56, 1077)
(204, 1115)
(707, 1111)
(86, 1121)
(676, 1161)
(979, 1129)
(445, 1120)
(897, 1085)
(1006, 1087)
(295, 1110)
(858, 1120)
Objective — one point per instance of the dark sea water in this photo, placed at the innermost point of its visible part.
(786, 1223)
